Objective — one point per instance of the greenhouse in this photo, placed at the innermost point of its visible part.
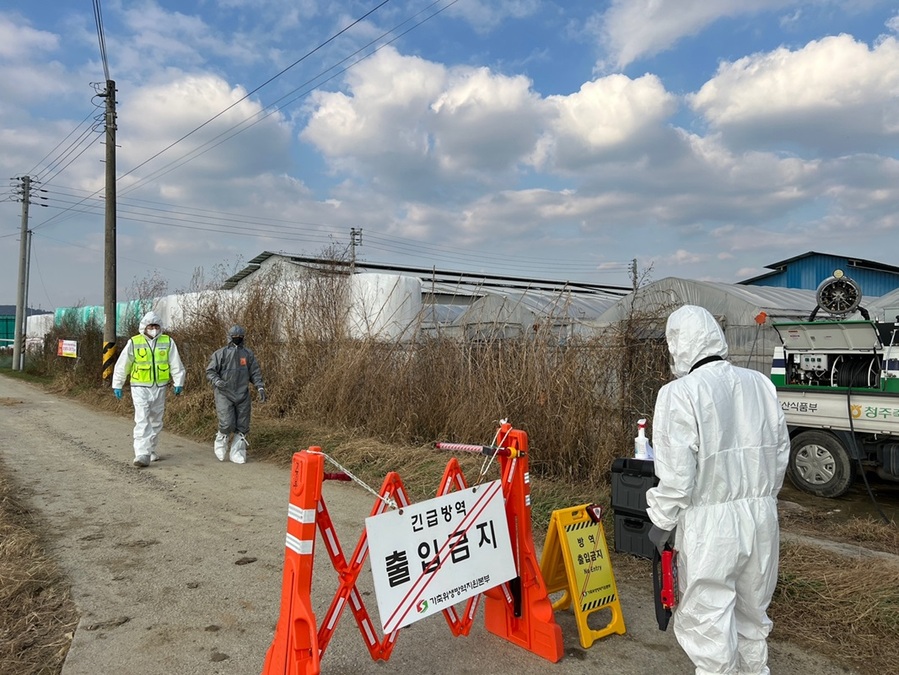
(747, 313)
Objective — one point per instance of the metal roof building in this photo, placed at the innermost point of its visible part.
(808, 270)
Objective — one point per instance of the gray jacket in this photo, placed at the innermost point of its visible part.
(236, 367)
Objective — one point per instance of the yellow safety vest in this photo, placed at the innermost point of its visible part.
(151, 366)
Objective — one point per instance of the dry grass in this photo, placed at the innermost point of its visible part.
(37, 615)
(873, 534)
(845, 607)
(867, 532)
(578, 399)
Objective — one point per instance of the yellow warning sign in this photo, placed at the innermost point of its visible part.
(576, 560)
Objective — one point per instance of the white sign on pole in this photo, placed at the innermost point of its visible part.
(429, 556)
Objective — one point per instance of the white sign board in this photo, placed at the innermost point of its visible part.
(67, 348)
(429, 556)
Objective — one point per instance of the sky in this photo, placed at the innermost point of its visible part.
(557, 139)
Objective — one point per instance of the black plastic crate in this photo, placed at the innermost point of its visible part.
(631, 478)
(632, 535)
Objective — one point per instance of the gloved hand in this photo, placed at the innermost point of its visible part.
(117, 392)
(261, 393)
(178, 390)
(219, 384)
(660, 537)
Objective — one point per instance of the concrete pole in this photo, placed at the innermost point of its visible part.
(109, 278)
(18, 354)
(28, 234)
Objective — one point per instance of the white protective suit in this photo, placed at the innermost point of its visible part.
(721, 449)
(149, 400)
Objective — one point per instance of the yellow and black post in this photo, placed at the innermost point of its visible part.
(109, 355)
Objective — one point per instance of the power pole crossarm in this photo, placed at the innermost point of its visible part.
(355, 240)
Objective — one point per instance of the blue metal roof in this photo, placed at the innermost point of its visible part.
(808, 270)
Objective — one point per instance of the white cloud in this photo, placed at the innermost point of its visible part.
(625, 167)
(389, 94)
(442, 156)
(159, 114)
(833, 95)
(893, 23)
(683, 257)
(632, 29)
(21, 43)
(451, 124)
(607, 117)
(157, 36)
(485, 15)
(28, 69)
(485, 122)
(413, 124)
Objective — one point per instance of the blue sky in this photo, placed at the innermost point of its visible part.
(556, 139)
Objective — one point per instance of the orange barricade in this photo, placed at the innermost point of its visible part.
(519, 610)
(295, 649)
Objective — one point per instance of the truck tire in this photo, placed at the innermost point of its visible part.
(820, 465)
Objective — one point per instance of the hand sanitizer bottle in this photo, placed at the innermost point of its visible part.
(642, 449)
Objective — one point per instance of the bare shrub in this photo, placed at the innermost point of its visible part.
(578, 398)
(71, 373)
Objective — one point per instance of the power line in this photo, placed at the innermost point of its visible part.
(238, 224)
(100, 252)
(85, 148)
(273, 108)
(194, 219)
(268, 81)
(41, 160)
(98, 19)
(222, 112)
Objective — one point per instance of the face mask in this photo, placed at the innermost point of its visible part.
(237, 340)
(152, 332)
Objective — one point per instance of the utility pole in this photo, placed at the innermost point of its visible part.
(21, 328)
(109, 276)
(18, 352)
(355, 240)
(634, 279)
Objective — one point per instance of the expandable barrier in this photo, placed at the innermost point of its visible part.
(519, 611)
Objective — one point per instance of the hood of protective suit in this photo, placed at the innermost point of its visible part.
(693, 334)
(150, 318)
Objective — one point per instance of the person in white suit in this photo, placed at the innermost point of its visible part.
(151, 361)
(721, 449)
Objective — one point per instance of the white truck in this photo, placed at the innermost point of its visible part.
(838, 384)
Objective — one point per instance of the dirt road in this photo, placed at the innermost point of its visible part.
(176, 569)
